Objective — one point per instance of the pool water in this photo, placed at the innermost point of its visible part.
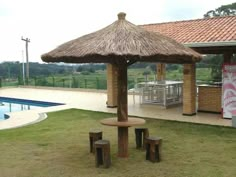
(13, 105)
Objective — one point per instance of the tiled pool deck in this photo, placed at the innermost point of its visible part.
(94, 101)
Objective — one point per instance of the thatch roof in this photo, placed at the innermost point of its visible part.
(122, 40)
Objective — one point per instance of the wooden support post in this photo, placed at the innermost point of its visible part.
(123, 141)
(189, 90)
(161, 71)
(122, 110)
(111, 85)
(227, 57)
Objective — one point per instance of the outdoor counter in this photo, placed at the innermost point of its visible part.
(209, 98)
(164, 93)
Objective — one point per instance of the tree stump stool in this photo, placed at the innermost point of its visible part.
(102, 153)
(140, 136)
(153, 149)
(94, 135)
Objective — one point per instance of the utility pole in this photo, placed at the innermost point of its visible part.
(27, 40)
(23, 67)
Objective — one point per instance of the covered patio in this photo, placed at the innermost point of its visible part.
(206, 36)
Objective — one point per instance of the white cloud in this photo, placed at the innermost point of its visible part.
(49, 23)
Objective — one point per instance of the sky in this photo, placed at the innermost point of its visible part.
(49, 23)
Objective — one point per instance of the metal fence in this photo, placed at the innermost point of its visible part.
(66, 82)
(74, 82)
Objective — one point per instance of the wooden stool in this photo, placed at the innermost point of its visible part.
(102, 153)
(140, 135)
(94, 135)
(153, 149)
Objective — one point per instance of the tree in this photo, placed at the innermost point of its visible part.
(146, 72)
(224, 10)
(80, 69)
(214, 62)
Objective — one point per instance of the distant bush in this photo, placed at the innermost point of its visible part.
(75, 82)
(85, 72)
(147, 72)
(42, 81)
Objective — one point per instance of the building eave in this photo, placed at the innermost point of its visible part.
(211, 44)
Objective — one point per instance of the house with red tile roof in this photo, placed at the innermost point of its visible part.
(207, 36)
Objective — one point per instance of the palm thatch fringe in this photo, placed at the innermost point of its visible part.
(122, 40)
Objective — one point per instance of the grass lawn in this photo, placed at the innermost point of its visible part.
(59, 147)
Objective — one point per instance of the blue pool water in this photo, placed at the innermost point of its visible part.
(13, 105)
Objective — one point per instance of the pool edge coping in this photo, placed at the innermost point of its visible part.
(41, 116)
(40, 113)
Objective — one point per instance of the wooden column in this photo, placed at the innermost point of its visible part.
(111, 85)
(189, 90)
(122, 110)
(123, 141)
(161, 71)
(227, 57)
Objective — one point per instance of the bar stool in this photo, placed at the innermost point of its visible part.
(102, 153)
(94, 135)
(140, 135)
(153, 149)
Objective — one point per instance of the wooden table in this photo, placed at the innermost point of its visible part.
(114, 122)
(122, 131)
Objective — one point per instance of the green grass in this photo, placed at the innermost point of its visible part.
(59, 146)
(203, 74)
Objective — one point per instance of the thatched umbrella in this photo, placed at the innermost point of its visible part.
(122, 44)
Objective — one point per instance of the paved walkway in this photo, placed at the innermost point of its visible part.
(95, 101)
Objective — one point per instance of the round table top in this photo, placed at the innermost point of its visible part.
(154, 138)
(131, 122)
(95, 131)
(102, 142)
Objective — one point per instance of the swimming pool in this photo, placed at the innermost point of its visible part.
(13, 105)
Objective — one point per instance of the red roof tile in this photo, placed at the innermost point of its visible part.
(217, 29)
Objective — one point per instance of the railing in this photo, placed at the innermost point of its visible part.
(64, 82)
(74, 82)
(8, 82)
